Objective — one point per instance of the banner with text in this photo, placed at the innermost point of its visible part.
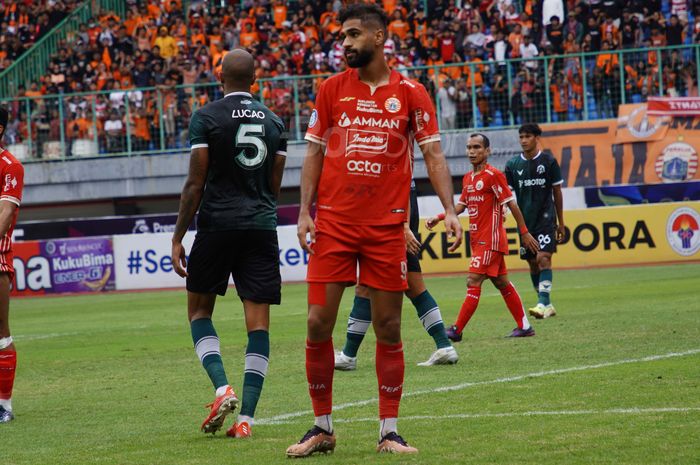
(634, 149)
(63, 265)
(603, 236)
(143, 261)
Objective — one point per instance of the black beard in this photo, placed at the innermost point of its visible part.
(362, 59)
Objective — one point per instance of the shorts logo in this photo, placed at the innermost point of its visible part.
(374, 142)
(540, 169)
(683, 231)
(313, 119)
(392, 105)
(479, 185)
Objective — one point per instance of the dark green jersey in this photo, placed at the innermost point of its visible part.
(531, 181)
(243, 137)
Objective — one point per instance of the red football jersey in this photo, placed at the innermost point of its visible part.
(484, 195)
(368, 135)
(12, 173)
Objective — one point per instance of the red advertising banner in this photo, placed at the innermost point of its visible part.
(635, 149)
(673, 106)
(32, 271)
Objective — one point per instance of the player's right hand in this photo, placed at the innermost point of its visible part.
(306, 226)
(431, 222)
(178, 259)
(454, 230)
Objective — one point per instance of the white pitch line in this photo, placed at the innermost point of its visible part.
(459, 387)
(614, 411)
(34, 337)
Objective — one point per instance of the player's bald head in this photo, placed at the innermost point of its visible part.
(238, 68)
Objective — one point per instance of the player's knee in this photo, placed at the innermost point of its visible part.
(318, 326)
(387, 328)
(362, 291)
(474, 281)
(544, 262)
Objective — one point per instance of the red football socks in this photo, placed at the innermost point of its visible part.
(468, 307)
(515, 305)
(8, 364)
(390, 370)
(320, 363)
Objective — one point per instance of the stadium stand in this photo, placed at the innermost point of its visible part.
(129, 84)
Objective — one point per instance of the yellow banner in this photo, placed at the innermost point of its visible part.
(655, 233)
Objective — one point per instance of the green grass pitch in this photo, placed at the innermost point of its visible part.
(614, 378)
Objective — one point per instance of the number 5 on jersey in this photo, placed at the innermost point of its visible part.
(249, 136)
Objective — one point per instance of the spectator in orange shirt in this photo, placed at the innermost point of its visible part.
(279, 13)
(398, 26)
(249, 36)
(606, 61)
(559, 90)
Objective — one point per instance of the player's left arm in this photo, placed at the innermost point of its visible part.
(278, 165)
(559, 206)
(423, 122)
(440, 178)
(557, 181)
(11, 195)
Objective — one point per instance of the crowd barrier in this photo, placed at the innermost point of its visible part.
(657, 233)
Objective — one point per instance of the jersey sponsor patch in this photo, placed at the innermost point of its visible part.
(368, 106)
(10, 183)
(366, 141)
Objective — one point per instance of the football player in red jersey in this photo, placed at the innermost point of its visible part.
(12, 178)
(358, 167)
(485, 192)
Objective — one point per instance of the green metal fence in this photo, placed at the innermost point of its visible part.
(34, 62)
(584, 86)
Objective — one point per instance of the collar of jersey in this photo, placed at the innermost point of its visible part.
(522, 155)
(242, 94)
(394, 77)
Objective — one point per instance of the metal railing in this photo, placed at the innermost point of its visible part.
(579, 87)
(33, 63)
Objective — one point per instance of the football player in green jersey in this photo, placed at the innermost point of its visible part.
(535, 178)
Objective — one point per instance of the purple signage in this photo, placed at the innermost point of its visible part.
(81, 264)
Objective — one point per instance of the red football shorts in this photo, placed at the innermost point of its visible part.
(489, 262)
(6, 265)
(380, 252)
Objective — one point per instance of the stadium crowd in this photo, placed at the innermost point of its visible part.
(23, 22)
(160, 43)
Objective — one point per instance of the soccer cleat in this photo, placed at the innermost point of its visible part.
(394, 444)
(444, 356)
(345, 363)
(222, 406)
(452, 334)
(549, 311)
(517, 332)
(239, 430)
(315, 440)
(537, 311)
(6, 416)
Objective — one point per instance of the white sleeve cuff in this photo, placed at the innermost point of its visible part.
(282, 153)
(434, 138)
(505, 201)
(315, 139)
(558, 182)
(9, 198)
